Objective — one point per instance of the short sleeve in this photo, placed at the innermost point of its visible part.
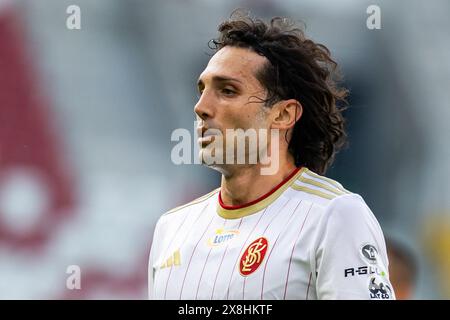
(350, 253)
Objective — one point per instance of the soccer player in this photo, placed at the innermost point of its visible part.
(291, 234)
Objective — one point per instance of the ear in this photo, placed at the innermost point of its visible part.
(285, 114)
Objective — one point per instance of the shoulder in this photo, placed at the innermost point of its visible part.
(317, 189)
(197, 201)
(331, 198)
(350, 211)
(170, 222)
(176, 216)
(347, 218)
(184, 209)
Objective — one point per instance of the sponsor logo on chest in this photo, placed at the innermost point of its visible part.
(222, 236)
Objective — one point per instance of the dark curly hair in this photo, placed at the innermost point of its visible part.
(299, 69)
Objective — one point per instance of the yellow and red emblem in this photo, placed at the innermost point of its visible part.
(253, 256)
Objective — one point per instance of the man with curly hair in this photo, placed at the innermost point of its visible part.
(291, 234)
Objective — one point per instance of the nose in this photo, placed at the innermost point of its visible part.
(204, 106)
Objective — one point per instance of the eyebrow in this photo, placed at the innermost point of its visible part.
(220, 79)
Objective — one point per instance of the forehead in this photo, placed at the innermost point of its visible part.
(233, 62)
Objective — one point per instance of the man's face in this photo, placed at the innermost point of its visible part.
(230, 93)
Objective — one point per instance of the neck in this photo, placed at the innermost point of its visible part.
(246, 184)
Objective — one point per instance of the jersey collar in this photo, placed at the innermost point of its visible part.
(236, 212)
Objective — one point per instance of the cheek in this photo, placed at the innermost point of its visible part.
(249, 117)
(233, 118)
(241, 121)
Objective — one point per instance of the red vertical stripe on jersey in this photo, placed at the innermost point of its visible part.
(187, 234)
(273, 247)
(168, 246)
(267, 227)
(240, 252)
(292, 253)
(193, 251)
(206, 261)
(226, 248)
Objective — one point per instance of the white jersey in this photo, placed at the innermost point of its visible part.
(308, 238)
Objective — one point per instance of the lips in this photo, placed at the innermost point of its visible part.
(201, 131)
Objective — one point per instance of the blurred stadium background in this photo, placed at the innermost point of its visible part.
(86, 117)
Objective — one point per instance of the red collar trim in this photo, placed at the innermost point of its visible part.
(227, 207)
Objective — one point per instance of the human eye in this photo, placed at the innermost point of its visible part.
(228, 91)
(200, 90)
